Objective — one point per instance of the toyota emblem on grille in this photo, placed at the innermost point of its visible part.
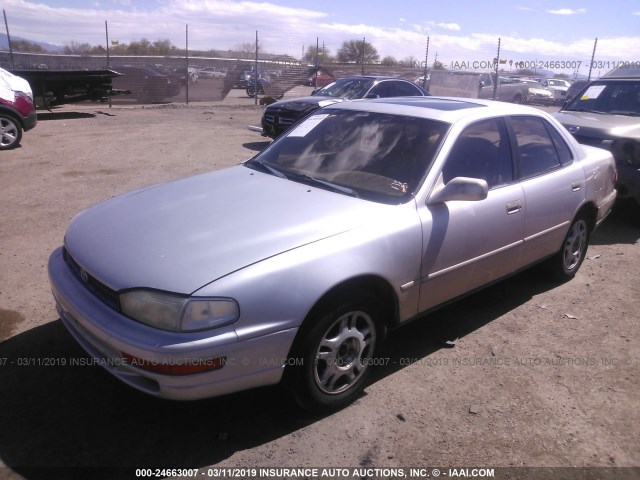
(84, 276)
(276, 119)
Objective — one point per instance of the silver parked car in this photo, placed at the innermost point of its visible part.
(606, 114)
(294, 265)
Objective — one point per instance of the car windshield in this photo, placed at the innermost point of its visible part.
(610, 97)
(349, 88)
(374, 156)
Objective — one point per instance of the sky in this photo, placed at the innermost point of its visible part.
(462, 33)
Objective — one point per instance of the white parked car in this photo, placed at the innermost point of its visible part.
(558, 87)
(211, 72)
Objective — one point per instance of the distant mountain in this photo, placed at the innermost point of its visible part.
(49, 47)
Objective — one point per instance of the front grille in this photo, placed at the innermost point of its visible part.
(280, 117)
(100, 290)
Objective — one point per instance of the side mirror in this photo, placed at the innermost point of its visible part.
(460, 188)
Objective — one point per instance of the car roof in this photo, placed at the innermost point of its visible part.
(446, 109)
(372, 77)
(631, 72)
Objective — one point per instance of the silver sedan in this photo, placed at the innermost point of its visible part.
(293, 266)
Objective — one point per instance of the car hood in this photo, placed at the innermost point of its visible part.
(179, 236)
(303, 103)
(10, 83)
(596, 125)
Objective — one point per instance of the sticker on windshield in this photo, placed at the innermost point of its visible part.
(308, 125)
(592, 92)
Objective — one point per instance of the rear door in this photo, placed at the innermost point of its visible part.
(552, 182)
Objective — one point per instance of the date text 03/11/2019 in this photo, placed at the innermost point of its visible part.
(547, 64)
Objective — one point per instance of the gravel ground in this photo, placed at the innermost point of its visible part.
(539, 373)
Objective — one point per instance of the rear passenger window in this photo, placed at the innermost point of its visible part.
(405, 89)
(381, 90)
(536, 150)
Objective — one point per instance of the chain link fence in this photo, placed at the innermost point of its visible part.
(159, 79)
(183, 76)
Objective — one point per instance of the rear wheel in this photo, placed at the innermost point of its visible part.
(566, 263)
(335, 352)
(10, 132)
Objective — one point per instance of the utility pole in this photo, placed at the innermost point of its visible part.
(595, 44)
(6, 25)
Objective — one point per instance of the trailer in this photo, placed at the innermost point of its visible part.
(57, 87)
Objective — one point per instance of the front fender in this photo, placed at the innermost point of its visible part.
(277, 293)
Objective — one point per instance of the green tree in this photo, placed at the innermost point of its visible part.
(323, 55)
(163, 47)
(410, 61)
(389, 61)
(357, 51)
(139, 47)
(75, 48)
(247, 49)
(26, 46)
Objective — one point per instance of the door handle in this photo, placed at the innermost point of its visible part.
(575, 186)
(514, 207)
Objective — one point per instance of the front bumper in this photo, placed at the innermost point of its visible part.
(30, 121)
(537, 99)
(107, 336)
(628, 184)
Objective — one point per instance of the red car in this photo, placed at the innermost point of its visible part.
(323, 79)
(17, 109)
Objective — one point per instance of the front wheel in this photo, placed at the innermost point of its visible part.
(335, 352)
(566, 263)
(251, 91)
(10, 132)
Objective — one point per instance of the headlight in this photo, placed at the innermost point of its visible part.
(178, 313)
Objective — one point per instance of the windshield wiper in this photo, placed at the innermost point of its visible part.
(586, 110)
(268, 168)
(626, 114)
(333, 186)
(307, 178)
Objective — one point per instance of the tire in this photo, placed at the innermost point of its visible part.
(517, 99)
(566, 263)
(251, 92)
(334, 352)
(10, 132)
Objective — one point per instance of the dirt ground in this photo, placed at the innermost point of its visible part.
(542, 374)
